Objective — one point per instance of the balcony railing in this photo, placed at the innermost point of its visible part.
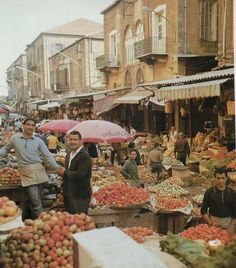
(209, 46)
(32, 65)
(16, 74)
(109, 61)
(60, 86)
(151, 45)
(197, 46)
(9, 75)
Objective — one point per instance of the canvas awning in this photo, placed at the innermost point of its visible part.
(48, 106)
(108, 108)
(134, 96)
(197, 90)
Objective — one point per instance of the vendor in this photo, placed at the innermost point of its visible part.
(219, 203)
(138, 157)
(116, 150)
(76, 176)
(130, 169)
(30, 153)
(155, 158)
(181, 149)
(173, 136)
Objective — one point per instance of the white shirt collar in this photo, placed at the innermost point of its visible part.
(72, 155)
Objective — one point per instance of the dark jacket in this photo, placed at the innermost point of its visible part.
(91, 149)
(76, 180)
(220, 203)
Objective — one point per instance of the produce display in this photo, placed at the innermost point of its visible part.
(166, 189)
(169, 161)
(8, 210)
(207, 233)
(170, 204)
(197, 254)
(60, 157)
(196, 212)
(174, 181)
(102, 178)
(218, 161)
(9, 177)
(145, 174)
(200, 180)
(121, 195)
(232, 165)
(185, 250)
(45, 242)
(138, 233)
(169, 152)
(225, 256)
(198, 198)
(198, 141)
(59, 200)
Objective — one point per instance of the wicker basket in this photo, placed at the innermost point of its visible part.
(169, 107)
(231, 107)
(183, 173)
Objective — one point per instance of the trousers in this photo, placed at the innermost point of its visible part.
(75, 205)
(35, 194)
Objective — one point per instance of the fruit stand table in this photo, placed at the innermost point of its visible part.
(170, 221)
(17, 194)
(123, 217)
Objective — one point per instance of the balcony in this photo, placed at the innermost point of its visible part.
(107, 62)
(9, 76)
(32, 65)
(59, 87)
(209, 46)
(149, 49)
(16, 75)
(196, 47)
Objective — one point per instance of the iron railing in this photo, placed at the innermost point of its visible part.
(109, 60)
(151, 45)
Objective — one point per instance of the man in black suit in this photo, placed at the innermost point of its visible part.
(76, 176)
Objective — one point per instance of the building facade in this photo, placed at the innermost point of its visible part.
(225, 32)
(17, 83)
(36, 64)
(73, 69)
(155, 40)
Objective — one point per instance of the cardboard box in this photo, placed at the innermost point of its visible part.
(111, 248)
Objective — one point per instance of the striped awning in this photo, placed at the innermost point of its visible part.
(134, 96)
(197, 90)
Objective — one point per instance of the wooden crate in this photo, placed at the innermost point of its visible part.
(122, 217)
(172, 221)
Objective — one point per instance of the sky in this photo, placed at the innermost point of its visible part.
(21, 21)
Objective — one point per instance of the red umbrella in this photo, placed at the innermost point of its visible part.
(100, 131)
(62, 125)
(2, 111)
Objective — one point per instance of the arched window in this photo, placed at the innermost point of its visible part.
(128, 79)
(129, 46)
(139, 77)
(139, 34)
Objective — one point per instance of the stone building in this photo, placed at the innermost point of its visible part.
(45, 45)
(73, 69)
(17, 83)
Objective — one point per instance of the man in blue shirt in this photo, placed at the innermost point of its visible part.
(30, 152)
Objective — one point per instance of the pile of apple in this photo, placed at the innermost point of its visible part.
(121, 195)
(138, 233)
(170, 203)
(145, 174)
(45, 242)
(8, 210)
(9, 177)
